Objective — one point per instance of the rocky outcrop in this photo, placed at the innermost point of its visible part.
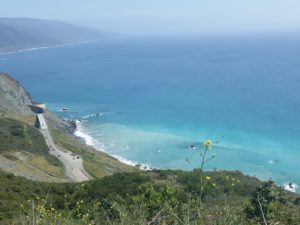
(14, 101)
(66, 126)
(14, 98)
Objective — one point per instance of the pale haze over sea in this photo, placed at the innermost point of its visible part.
(167, 17)
(156, 97)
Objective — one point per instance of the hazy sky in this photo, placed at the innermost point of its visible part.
(164, 16)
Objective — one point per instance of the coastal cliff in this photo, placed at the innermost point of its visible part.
(22, 147)
(14, 98)
(14, 102)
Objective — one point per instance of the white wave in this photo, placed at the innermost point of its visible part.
(92, 115)
(80, 132)
(290, 187)
(50, 46)
(126, 147)
(63, 110)
(132, 163)
(89, 140)
(88, 116)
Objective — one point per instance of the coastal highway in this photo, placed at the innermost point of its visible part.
(73, 164)
(42, 121)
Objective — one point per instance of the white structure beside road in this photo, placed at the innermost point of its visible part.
(42, 121)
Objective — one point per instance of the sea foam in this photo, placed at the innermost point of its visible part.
(292, 188)
(132, 163)
(80, 132)
(89, 140)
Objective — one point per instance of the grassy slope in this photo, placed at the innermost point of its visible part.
(97, 164)
(23, 151)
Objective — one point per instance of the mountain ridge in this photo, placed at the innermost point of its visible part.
(26, 33)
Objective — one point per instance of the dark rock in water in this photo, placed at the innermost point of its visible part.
(143, 167)
(99, 114)
(140, 166)
(72, 124)
(193, 147)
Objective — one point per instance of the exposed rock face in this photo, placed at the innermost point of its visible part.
(66, 126)
(14, 98)
(14, 101)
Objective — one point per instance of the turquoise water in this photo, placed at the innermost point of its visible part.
(158, 96)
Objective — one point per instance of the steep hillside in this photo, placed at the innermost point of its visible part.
(21, 33)
(23, 150)
(14, 98)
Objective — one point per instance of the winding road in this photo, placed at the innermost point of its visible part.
(73, 164)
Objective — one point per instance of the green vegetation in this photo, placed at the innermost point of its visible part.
(15, 191)
(23, 151)
(163, 197)
(18, 136)
(96, 163)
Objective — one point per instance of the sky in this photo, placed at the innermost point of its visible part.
(161, 17)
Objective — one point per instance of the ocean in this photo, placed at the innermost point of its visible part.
(148, 100)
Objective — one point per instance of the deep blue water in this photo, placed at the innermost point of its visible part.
(159, 96)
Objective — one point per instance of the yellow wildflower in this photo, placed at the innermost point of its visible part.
(207, 178)
(207, 144)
